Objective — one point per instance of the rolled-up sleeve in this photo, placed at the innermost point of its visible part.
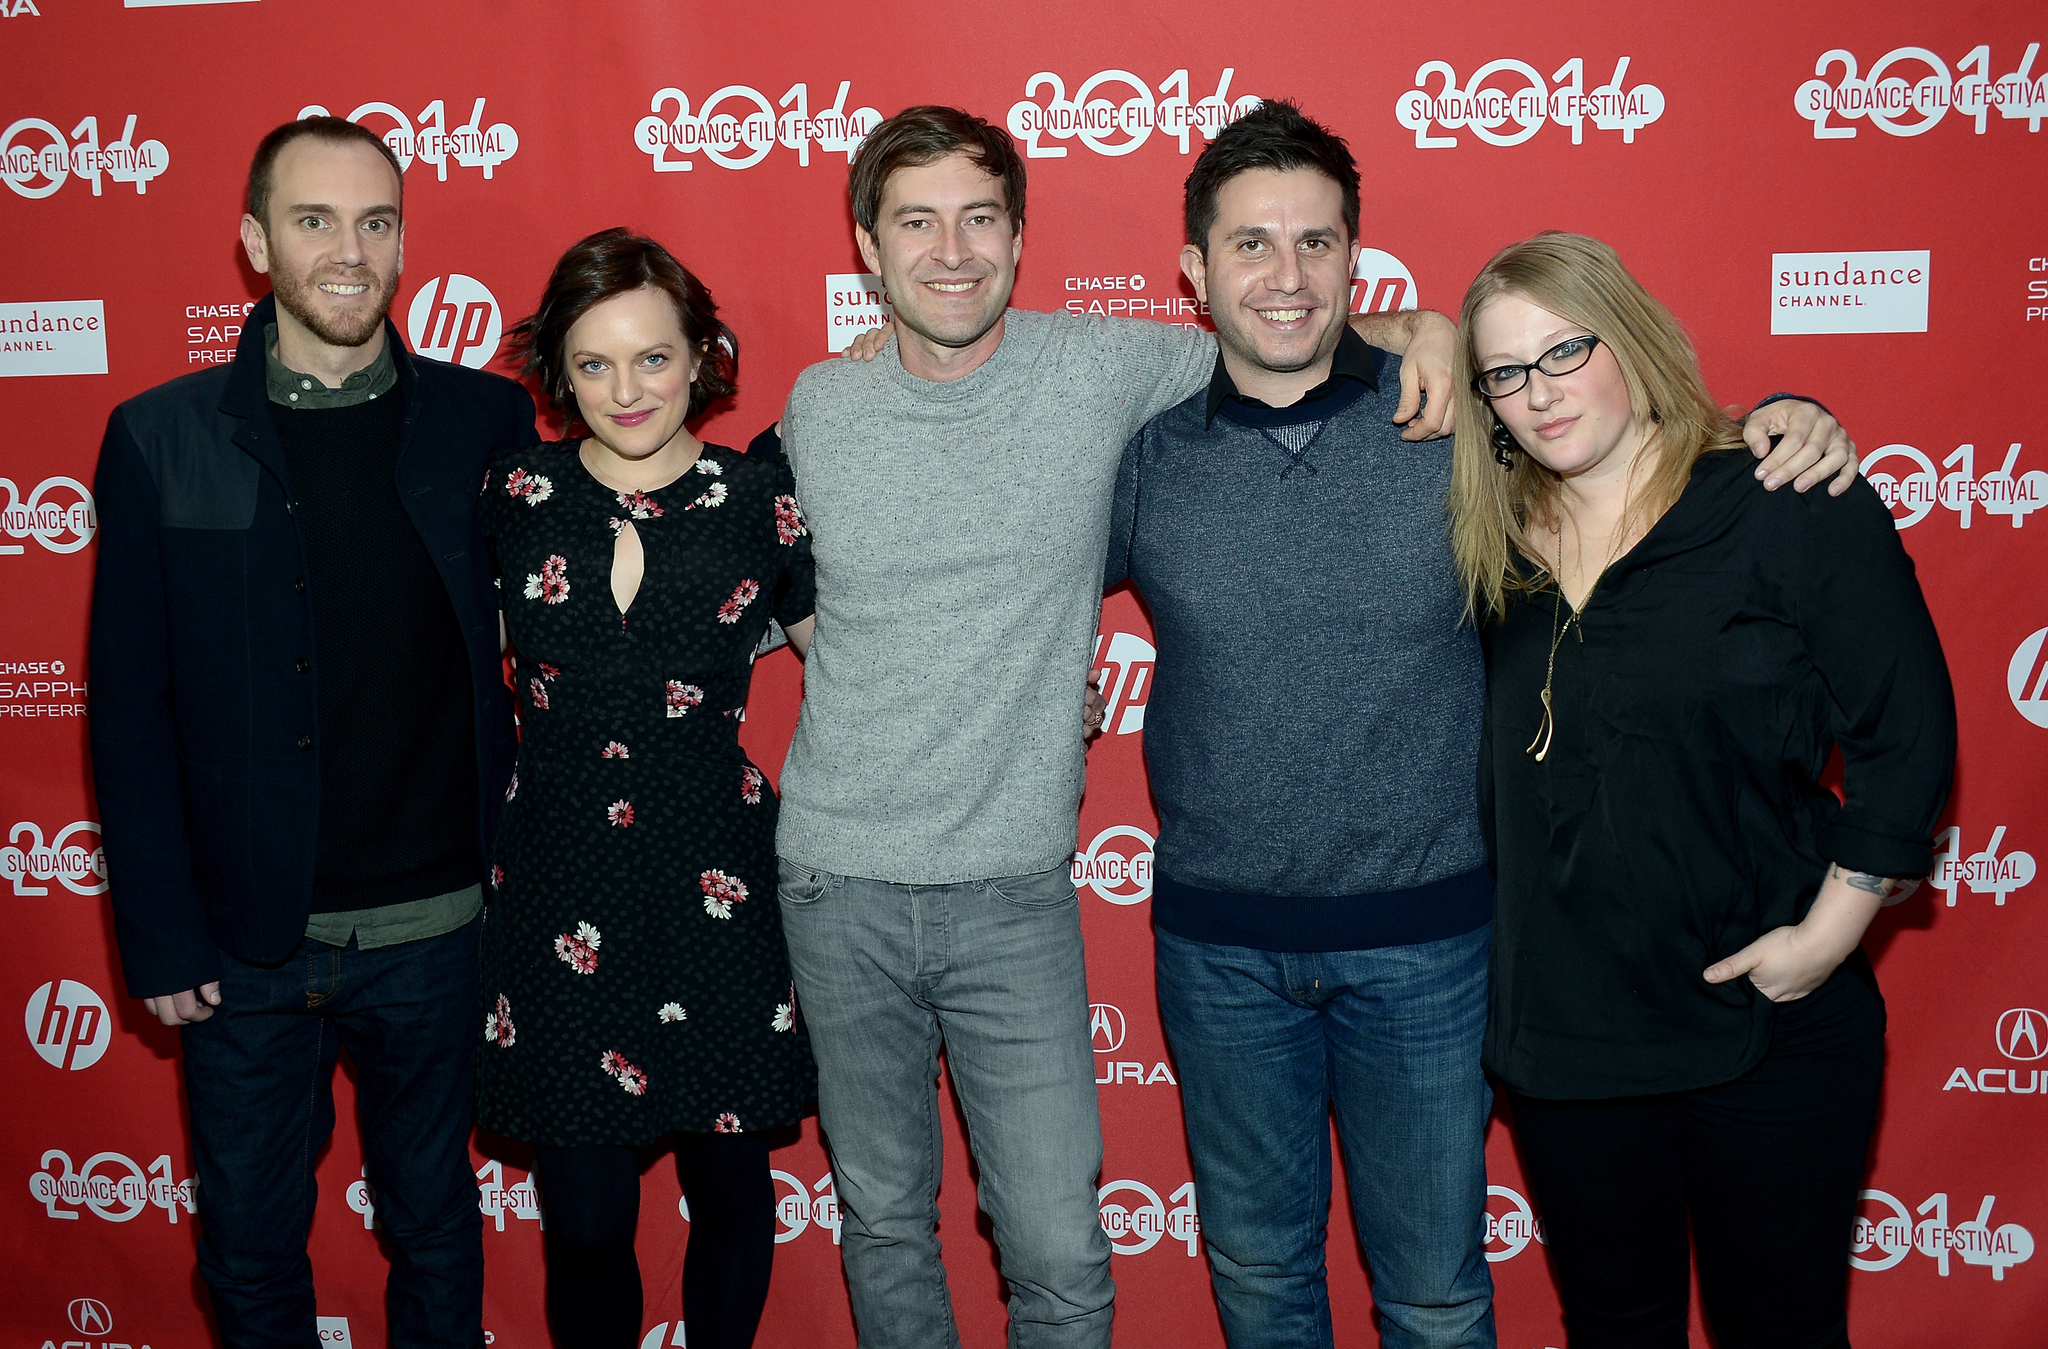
(1868, 632)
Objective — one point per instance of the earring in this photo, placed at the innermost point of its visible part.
(1503, 446)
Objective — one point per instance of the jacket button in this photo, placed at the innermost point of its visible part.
(305, 742)
(304, 665)
(299, 585)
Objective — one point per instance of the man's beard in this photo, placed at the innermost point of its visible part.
(299, 296)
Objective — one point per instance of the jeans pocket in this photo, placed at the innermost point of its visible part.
(1040, 890)
(799, 884)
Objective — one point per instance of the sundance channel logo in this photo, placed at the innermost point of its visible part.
(1881, 292)
(854, 303)
(53, 337)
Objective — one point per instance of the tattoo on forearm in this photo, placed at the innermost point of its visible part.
(1881, 886)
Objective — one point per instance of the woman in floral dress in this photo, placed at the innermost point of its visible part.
(635, 982)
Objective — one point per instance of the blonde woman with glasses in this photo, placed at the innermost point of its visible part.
(1691, 1039)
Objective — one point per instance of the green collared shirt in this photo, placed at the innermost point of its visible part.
(289, 388)
(395, 923)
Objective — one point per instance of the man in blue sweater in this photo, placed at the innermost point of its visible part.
(1320, 896)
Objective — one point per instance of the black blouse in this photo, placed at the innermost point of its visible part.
(1679, 813)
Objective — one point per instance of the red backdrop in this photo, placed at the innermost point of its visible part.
(1897, 150)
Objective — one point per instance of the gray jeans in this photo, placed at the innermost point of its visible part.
(993, 970)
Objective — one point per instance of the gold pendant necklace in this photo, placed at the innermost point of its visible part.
(1540, 746)
(1559, 626)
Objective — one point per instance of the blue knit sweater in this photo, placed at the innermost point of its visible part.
(1312, 734)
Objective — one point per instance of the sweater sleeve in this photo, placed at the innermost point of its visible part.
(159, 922)
(1159, 365)
(1866, 626)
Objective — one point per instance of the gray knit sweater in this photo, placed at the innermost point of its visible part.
(959, 531)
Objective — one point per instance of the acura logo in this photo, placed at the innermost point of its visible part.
(2023, 1035)
(89, 1316)
(1106, 1027)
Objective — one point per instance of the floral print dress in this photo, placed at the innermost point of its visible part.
(634, 975)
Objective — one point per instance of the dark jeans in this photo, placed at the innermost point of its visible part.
(1267, 1043)
(591, 1198)
(259, 1077)
(1766, 1168)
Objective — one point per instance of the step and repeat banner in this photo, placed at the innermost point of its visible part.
(1843, 201)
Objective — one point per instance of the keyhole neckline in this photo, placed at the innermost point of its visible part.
(600, 480)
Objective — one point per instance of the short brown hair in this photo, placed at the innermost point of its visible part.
(334, 131)
(924, 135)
(613, 262)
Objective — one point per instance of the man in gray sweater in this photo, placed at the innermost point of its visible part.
(1321, 900)
(958, 490)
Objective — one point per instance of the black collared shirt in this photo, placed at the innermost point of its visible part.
(1352, 362)
(1680, 811)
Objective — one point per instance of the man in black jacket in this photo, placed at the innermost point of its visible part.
(300, 736)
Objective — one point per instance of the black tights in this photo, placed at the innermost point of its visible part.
(590, 1197)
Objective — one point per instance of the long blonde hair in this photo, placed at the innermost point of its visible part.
(1583, 280)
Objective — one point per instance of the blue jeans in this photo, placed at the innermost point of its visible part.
(1266, 1042)
(991, 969)
(259, 1077)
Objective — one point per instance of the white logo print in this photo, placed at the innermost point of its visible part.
(1910, 90)
(495, 1199)
(1986, 873)
(68, 1024)
(1915, 488)
(1381, 283)
(1126, 670)
(1119, 125)
(36, 158)
(805, 1206)
(1523, 99)
(1135, 1228)
(455, 318)
(19, 9)
(78, 868)
(111, 1185)
(89, 1316)
(2026, 679)
(334, 1334)
(1106, 1027)
(59, 515)
(471, 145)
(1511, 1226)
(1106, 1030)
(2023, 1035)
(659, 1337)
(1117, 865)
(1887, 1227)
(735, 127)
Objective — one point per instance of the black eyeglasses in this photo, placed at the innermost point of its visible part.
(1561, 359)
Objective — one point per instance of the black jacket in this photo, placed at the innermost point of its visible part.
(203, 670)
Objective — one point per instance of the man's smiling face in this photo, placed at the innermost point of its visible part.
(1277, 271)
(333, 245)
(946, 250)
